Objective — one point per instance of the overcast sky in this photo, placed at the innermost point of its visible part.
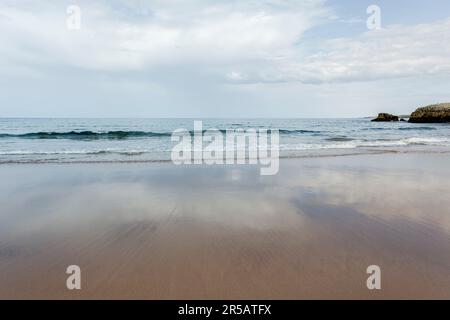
(223, 58)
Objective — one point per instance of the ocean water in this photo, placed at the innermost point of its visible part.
(97, 140)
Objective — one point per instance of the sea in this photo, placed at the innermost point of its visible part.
(39, 140)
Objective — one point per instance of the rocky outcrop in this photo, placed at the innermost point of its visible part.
(386, 117)
(430, 114)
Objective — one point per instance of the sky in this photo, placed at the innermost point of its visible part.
(222, 58)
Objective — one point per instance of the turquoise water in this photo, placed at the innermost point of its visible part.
(66, 140)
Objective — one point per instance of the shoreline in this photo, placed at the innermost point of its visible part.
(425, 150)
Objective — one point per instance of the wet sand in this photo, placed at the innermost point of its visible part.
(157, 231)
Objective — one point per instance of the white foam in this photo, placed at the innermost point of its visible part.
(367, 144)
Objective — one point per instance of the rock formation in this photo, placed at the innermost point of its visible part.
(386, 117)
(430, 114)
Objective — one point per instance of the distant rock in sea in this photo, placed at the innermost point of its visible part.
(386, 117)
(436, 113)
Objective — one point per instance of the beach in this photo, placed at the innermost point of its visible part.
(160, 231)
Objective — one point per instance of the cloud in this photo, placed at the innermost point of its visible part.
(238, 41)
(215, 58)
(117, 35)
(394, 52)
(235, 76)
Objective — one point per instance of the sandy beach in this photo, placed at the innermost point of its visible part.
(158, 231)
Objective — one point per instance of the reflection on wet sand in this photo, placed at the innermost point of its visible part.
(158, 231)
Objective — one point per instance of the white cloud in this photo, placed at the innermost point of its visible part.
(394, 52)
(121, 36)
(214, 58)
(235, 76)
(258, 39)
